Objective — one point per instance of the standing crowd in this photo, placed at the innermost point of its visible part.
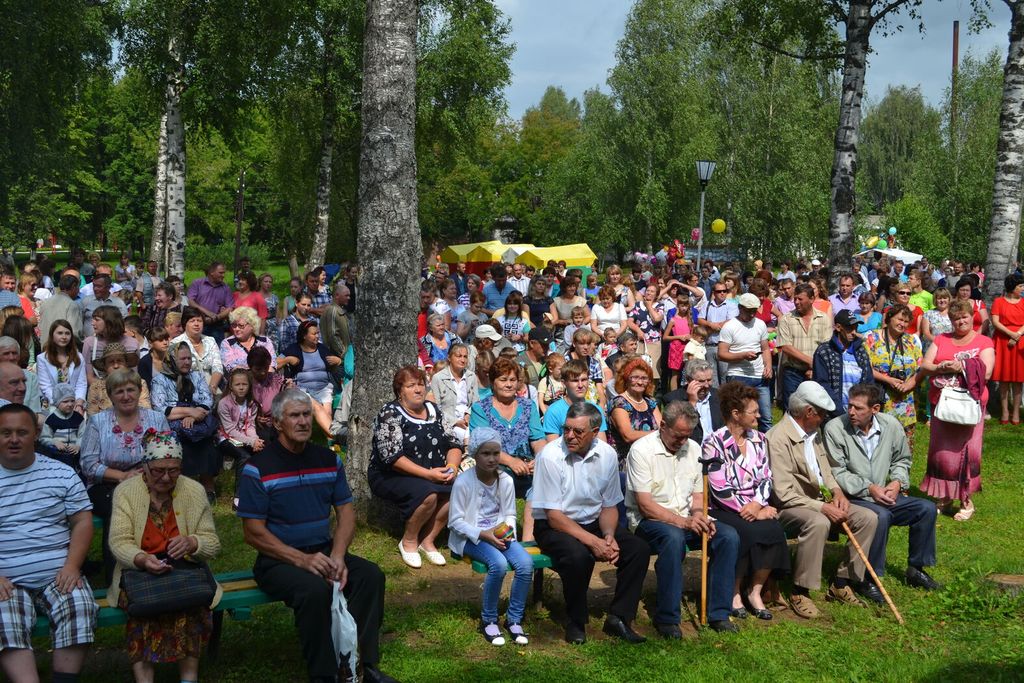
(605, 404)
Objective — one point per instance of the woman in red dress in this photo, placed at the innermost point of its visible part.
(1008, 321)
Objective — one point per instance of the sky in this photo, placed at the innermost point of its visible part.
(571, 43)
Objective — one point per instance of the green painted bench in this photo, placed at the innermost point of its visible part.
(240, 596)
(540, 563)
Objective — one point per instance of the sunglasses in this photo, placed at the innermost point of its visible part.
(720, 291)
(904, 291)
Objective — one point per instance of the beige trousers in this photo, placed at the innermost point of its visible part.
(814, 529)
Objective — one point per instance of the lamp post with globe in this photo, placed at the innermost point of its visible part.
(705, 169)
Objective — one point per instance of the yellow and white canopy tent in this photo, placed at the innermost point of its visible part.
(575, 256)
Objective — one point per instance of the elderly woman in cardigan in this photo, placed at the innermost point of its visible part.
(161, 518)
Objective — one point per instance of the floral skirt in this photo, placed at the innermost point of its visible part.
(169, 637)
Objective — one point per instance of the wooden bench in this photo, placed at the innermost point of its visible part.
(540, 563)
(240, 595)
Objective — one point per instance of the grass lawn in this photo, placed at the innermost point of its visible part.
(964, 632)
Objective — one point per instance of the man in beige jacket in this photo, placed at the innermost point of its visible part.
(801, 473)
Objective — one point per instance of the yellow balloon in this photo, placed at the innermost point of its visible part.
(718, 225)
(872, 241)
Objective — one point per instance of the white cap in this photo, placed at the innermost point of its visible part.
(749, 300)
(813, 393)
(815, 262)
(487, 332)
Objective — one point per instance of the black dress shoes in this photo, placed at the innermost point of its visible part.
(372, 674)
(669, 631)
(919, 579)
(869, 591)
(617, 627)
(575, 634)
(723, 626)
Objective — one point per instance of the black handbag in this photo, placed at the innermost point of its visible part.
(200, 429)
(188, 585)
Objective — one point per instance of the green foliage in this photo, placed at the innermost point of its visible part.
(919, 230)
(199, 253)
(973, 599)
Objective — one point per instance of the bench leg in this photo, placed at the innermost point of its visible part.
(213, 645)
(538, 585)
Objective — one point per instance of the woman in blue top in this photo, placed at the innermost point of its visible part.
(310, 363)
(183, 396)
(517, 420)
(869, 318)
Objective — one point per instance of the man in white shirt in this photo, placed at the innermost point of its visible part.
(101, 296)
(520, 282)
(665, 507)
(576, 493)
(801, 473)
(743, 346)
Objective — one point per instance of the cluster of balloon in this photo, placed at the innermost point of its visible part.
(669, 253)
(887, 239)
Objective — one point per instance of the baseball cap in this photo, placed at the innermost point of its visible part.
(487, 332)
(749, 300)
(815, 262)
(540, 334)
(846, 319)
(813, 393)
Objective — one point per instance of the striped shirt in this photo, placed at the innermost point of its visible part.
(294, 492)
(35, 504)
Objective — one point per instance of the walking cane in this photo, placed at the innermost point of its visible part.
(871, 570)
(704, 557)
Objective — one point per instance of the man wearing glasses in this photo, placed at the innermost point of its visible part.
(714, 314)
(576, 493)
(800, 472)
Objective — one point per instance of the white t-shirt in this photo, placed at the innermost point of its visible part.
(35, 504)
(606, 319)
(743, 337)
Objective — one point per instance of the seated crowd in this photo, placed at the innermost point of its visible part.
(126, 404)
(602, 408)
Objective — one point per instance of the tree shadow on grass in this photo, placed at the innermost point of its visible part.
(976, 671)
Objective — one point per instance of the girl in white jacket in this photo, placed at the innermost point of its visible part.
(482, 520)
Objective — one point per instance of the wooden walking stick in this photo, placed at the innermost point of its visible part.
(704, 558)
(871, 570)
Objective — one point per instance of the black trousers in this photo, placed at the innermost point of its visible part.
(102, 498)
(309, 595)
(240, 454)
(575, 564)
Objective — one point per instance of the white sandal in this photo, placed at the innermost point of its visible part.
(965, 513)
(412, 559)
(434, 556)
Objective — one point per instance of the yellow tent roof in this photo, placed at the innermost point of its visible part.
(512, 251)
(573, 254)
(491, 252)
(456, 253)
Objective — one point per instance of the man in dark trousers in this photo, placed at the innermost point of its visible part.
(288, 490)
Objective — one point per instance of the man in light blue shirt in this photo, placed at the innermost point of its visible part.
(497, 290)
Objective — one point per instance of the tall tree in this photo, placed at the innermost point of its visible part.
(388, 241)
(807, 29)
(1004, 232)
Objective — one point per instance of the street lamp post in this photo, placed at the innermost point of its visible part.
(705, 169)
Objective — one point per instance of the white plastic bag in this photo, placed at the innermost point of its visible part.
(343, 629)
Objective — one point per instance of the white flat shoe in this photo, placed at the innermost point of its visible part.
(434, 557)
(412, 559)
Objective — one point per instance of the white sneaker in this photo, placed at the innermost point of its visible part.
(412, 559)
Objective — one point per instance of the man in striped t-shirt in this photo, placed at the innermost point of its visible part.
(45, 531)
(285, 500)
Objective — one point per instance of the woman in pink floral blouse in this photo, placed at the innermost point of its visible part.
(740, 485)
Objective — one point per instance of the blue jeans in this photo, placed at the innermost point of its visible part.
(764, 399)
(670, 543)
(916, 513)
(791, 379)
(498, 562)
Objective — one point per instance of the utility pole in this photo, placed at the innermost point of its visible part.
(239, 217)
(954, 142)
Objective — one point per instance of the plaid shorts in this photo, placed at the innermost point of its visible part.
(72, 616)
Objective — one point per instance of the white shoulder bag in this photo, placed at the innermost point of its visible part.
(957, 407)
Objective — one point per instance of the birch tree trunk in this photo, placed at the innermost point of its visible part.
(175, 165)
(388, 242)
(318, 251)
(1004, 232)
(844, 164)
(156, 242)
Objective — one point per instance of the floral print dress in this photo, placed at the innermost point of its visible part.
(900, 359)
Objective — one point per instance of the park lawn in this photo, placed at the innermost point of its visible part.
(963, 632)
